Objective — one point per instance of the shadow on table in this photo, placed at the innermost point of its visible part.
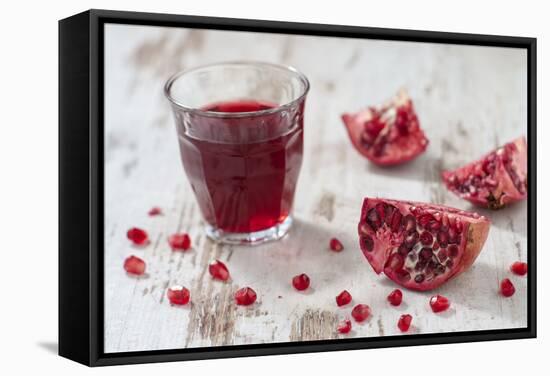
(306, 245)
(504, 218)
(425, 168)
(51, 347)
(477, 288)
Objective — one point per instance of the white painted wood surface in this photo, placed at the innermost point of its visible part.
(469, 100)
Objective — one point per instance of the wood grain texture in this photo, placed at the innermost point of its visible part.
(469, 100)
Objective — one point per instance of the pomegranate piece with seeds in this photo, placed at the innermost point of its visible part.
(389, 134)
(335, 245)
(519, 268)
(439, 303)
(155, 211)
(344, 327)
(134, 265)
(343, 298)
(218, 270)
(404, 322)
(245, 296)
(495, 180)
(179, 242)
(178, 295)
(361, 312)
(300, 282)
(392, 238)
(137, 236)
(395, 297)
(507, 288)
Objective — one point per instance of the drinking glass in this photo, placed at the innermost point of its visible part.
(240, 131)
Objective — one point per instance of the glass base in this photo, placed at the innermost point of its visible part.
(250, 238)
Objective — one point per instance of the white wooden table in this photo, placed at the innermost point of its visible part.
(469, 100)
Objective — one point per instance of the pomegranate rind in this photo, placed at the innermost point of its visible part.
(399, 148)
(505, 191)
(476, 228)
(477, 235)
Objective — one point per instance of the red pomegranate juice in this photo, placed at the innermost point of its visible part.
(243, 167)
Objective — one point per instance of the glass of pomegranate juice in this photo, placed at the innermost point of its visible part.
(240, 130)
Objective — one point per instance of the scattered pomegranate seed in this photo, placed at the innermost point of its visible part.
(343, 298)
(134, 265)
(300, 282)
(519, 268)
(336, 245)
(361, 312)
(178, 295)
(404, 322)
(395, 297)
(439, 303)
(344, 327)
(179, 242)
(218, 270)
(137, 236)
(507, 289)
(245, 296)
(155, 211)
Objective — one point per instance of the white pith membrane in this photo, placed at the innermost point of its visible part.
(498, 178)
(387, 114)
(424, 259)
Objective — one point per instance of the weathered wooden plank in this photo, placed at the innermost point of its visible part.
(469, 99)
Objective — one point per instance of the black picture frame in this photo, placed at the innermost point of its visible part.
(81, 186)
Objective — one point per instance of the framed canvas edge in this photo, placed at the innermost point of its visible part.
(95, 322)
(74, 279)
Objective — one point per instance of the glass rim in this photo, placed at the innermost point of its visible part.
(218, 114)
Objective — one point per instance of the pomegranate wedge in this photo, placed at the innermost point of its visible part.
(393, 236)
(389, 134)
(497, 179)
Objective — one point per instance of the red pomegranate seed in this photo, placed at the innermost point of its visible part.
(344, 327)
(404, 322)
(374, 127)
(361, 312)
(300, 282)
(218, 270)
(245, 296)
(426, 238)
(137, 236)
(343, 298)
(439, 303)
(178, 295)
(519, 268)
(507, 289)
(179, 242)
(134, 265)
(336, 245)
(395, 297)
(155, 211)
